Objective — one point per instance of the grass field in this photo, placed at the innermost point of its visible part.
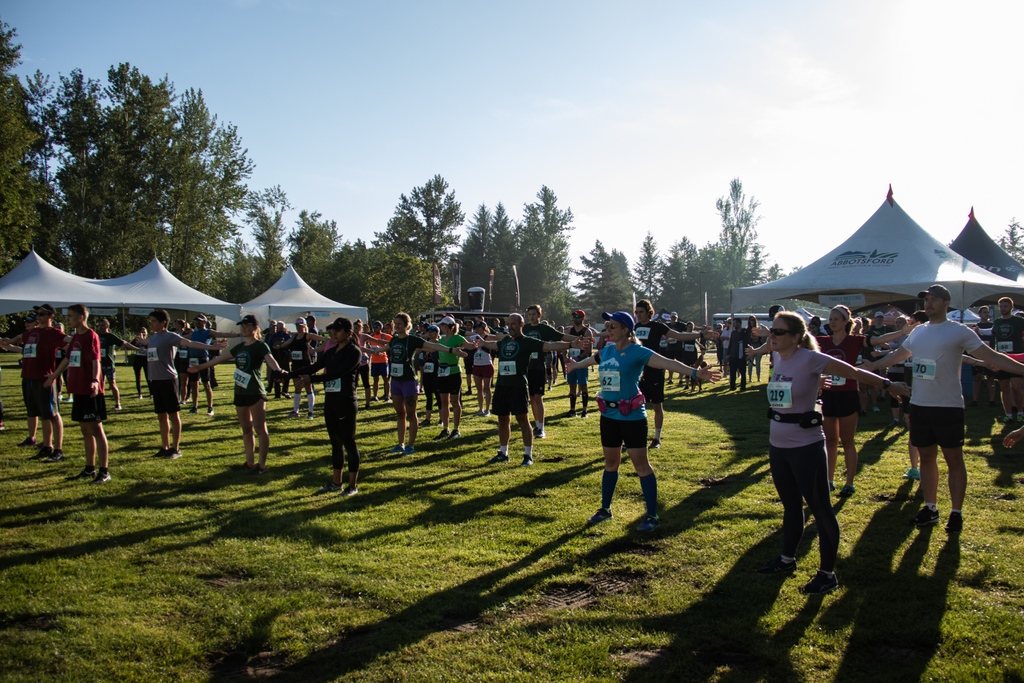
(446, 568)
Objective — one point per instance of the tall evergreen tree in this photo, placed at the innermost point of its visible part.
(503, 255)
(603, 285)
(543, 240)
(647, 270)
(264, 215)
(425, 223)
(312, 245)
(477, 249)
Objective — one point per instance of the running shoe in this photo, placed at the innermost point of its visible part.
(2, 428)
(397, 450)
(480, 413)
(499, 458)
(583, 415)
(912, 473)
(1007, 420)
(1020, 418)
(408, 450)
(894, 423)
(85, 474)
(527, 461)
(847, 491)
(820, 584)
(209, 413)
(541, 434)
(172, 455)
(193, 411)
(29, 442)
(454, 435)
(162, 453)
(655, 443)
(650, 523)
(425, 422)
(776, 566)
(624, 449)
(536, 432)
(926, 517)
(874, 409)
(310, 416)
(955, 524)
(56, 456)
(443, 435)
(350, 491)
(571, 413)
(294, 413)
(287, 395)
(101, 478)
(257, 470)
(601, 515)
(117, 406)
(329, 488)
(487, 413)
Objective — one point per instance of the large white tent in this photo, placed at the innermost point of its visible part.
(291, 296)
(889, 257)
(35, 281)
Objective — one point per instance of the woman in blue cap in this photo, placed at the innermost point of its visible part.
(623, 415)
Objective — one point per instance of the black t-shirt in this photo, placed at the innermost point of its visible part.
(109, 342)
(650, 333)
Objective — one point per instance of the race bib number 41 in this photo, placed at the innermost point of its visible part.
(506, 368)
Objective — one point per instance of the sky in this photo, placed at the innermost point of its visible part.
(637, 115)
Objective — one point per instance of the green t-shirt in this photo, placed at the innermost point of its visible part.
(1008, 335)
(514, 360)
(544, 333)
(450, 360)
(248, 366)
(401, 352)
(108, 342)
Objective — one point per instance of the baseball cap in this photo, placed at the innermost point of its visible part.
(248, 320)
(46, 309)
(879, 314)
(300, 321)
(935, 290)
(340, 324)
(201, 318)
(579, 313)
(30, 318)
(447, 320)
(622, 318)
(432, 328)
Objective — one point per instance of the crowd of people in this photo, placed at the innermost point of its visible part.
(822, 377)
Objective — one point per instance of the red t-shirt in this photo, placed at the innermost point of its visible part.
(83, 351)
(848, 351)
(39, 352)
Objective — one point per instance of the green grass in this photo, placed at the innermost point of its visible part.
(445, 568)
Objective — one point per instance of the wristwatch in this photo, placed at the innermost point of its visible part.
(886, 384)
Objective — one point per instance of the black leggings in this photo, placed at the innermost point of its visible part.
(430, 389)
(802, 474)
(140, 365)
(364, 375)
(340, 417)
(738, 365)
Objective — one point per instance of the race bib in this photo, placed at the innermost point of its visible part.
(296, 355)
(182, 353)
(1004, 347)
(28, 351)
(924, 369)
(663, 343)
(574, 353)
(397, 369)
(333, 386)
(428, 367)
(444, 371)
(193, 362)
(780, 394)
(242, 379)
(534, 355)
(610, 380)
(837, 381)
(642, 333)
(111, 353)
(481, 358)
(75, 359)
(689, 347)
(152, 354)
(506, 368)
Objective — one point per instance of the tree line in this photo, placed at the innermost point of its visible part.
(100, 176)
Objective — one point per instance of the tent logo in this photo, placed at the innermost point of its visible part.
(864, 258)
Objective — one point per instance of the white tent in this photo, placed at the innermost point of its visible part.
(291, 296)
(34, 281)
(889, 257)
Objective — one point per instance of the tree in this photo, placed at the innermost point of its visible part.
(424, 223)
(312, 245)
(681, 280)
(397, 281)
(647, 270)
(264, 215)
(475, 255)
(1012, 241)
(603, 286)
(19, 191)
(503, 255)
(543, 246)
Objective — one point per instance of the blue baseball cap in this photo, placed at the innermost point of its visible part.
(621, 317)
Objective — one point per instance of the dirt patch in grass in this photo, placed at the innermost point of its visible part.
(28, 622)
(1005, 496)
(224, 580)
(642, 657)
(713, 481)
(236, 664)
(580, 595)
(883, 497)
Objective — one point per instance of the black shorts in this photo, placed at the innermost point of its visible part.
(653, 387)
(429, 383)
(839, 403)
(109, 372)
(510, 401)
(1003, 376)
(536, 381)
(248, 400)
(615, 433)
(942, 426)
(452, 384)
(88, 408)
(204, 374)
(40, 401)
(180, 365)
(165, 395)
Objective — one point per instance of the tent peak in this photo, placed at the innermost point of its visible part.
(889, 198)
(970, 216)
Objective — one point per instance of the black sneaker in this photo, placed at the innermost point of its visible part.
(29, 442)
(650, 523)
(527, 461)
(84, 474)
(443, 435)
(777, 566)
(454, 435)
(172, 455)
(602, 514)
(350, 491)
(55, 456)
(571, 413)
(330, 487)
(655, 443)
(624, 449)
(926, 517)
(499, 458)
(536, 432)
(44, 452)
(955, 524)
(257, 470)
(820, 584)
(583, 415)
(193, 411)
(162, 453)
(101, 478)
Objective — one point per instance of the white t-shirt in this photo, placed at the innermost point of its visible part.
(938, 350)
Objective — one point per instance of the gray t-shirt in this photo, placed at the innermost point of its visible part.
(793, 388)
(938, 350)
(160, 355)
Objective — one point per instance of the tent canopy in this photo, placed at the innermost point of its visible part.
(34, 281)
(290, 295)
(889, 257)
(974, 244)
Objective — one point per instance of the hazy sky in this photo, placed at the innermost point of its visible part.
(636, 114)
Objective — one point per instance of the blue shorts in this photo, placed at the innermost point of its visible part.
(379, 370)
(579, 377)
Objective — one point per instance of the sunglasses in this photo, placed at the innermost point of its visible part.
(778, 332)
